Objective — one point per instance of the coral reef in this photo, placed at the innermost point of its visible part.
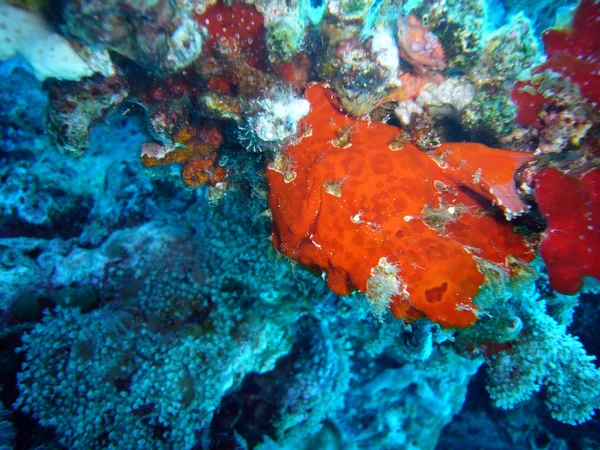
(75, 107)
(284, 38)
(561, 96)
(459, 25)
(360, 71)
(136, 362)
(509, 51)
(479, 99)
(543, 355)
(194, 148)
(161, 36)
(21, 125)
(418, 46)
(343, 224)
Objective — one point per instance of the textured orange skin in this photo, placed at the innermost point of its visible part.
(386, 192)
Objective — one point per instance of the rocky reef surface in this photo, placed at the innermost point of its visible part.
(343, 224)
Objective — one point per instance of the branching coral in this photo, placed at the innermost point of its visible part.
(546, 355)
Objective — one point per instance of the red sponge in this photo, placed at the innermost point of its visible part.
(571, 245)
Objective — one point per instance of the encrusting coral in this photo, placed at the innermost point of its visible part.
(160, 35)
(459, 24)
(419, 46)
(75, 106)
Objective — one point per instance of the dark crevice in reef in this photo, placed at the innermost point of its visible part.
(67, 225)
(29, 433)
(263, 399)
